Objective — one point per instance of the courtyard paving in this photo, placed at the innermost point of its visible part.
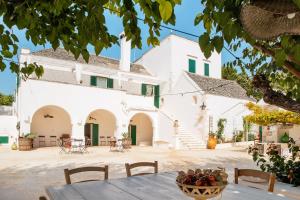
(24, 175)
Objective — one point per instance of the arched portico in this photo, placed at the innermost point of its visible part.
(141, 129)
(49, 123)
(100, 123)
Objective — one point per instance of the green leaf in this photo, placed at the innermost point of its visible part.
(165, 10)
(85, 54)
(218, 43)
(198, 19)
(297, 2)
(280, 57)
(7, 54)
(204, 41)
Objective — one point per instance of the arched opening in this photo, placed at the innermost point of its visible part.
(141, 130)
(99, 127)
(50, 123)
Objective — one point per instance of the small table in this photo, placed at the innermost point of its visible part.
(159, 186)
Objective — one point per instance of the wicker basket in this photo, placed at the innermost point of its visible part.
(201, 192)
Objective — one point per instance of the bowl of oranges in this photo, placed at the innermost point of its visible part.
(202, 184)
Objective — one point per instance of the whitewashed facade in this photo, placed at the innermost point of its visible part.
(157, 98)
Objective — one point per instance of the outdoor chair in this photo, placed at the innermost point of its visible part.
(42, 141)
(113, 144)
(52, 140)
(63, 147)
(69, 172)
(141, 164)
(102, 141)
(253, 176)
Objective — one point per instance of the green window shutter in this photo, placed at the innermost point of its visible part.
(206, 69)
(110, 83)
(156, 96)
(192, 66)
(93, 81)
(3, 139)
(144, 89)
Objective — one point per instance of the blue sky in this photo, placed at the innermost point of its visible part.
(185, 14)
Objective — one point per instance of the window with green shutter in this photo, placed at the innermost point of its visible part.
(3, 139)
(144, 89)
(93, 80)
(206, 69)
(156, 96)
(192, 66)
(110, 83)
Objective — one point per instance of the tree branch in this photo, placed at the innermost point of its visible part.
(288, 64)
(274, 97)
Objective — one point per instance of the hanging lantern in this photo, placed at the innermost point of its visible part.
(268, 19)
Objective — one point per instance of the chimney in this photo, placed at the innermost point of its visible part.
(125, 53)
(78, 70)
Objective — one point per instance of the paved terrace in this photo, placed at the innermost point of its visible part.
(24, 175)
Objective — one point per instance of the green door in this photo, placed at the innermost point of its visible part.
(3, 139)
(260, 133)
(133, 134)
(95, 137)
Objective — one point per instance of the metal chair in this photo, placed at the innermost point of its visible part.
(102, 141)
(52, 140)
(141, 164)
(69, 172)
(42, 141)
(268, 177)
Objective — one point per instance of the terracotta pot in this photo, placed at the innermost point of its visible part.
(212, 142)
(25, 144)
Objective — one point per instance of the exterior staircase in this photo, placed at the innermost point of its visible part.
(190, 141)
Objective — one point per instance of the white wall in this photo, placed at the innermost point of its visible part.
(233, 110)
(78, 101)
(8, 127)
(171, 57)
(184, 109)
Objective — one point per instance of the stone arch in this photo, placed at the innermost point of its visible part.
(100, 123)
(141, 129)
(50, 121)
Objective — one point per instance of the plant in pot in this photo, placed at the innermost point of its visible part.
(126, 140)
(14, 145)
(284, 138)
(212, 141)
(26, 142)
(220, 131)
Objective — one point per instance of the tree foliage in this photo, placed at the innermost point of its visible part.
(77, 24)
(242, 78)
(277, 61)
(6, 100)
(269, 116)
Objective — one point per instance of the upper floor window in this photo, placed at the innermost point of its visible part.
(192, 65)
(147, 90)
(102, 82)
(206, 69)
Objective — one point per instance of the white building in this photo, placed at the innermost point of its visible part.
(171, 94)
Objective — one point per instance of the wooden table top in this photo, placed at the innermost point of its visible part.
(148, 187)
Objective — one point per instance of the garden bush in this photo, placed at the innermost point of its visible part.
(286, 168)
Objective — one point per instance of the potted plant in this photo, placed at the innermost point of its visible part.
(212, 141)
(26, 142)
(126, 140)
(14, 145)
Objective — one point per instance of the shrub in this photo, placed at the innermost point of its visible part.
(251, 137)
(286, 169)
